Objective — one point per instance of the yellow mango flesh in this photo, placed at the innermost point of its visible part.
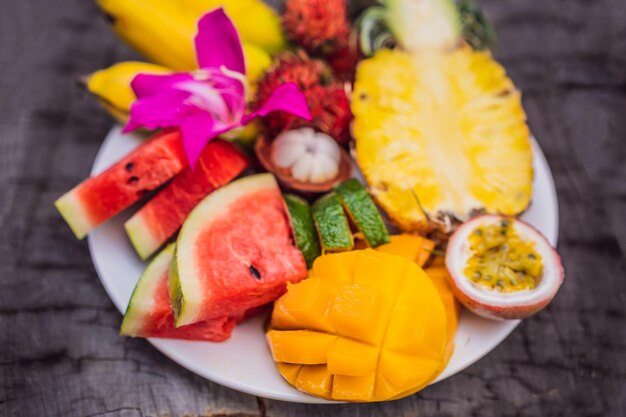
(413, 247)
(366, 326)
(300, 346)
(438, 274)
(351, 358)
(315, 380)
(289, 371)
(418, 248)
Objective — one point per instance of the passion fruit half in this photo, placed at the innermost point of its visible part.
(502, 268)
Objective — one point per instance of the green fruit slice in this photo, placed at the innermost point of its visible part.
(332, 224)
(303, 227)
(363, 212)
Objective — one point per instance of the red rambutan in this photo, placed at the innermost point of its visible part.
(317, 25)
(344, 61)
(326, 97)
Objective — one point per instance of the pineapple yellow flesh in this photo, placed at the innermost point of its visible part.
(441, 134)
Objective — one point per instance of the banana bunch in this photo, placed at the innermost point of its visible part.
(163, 31)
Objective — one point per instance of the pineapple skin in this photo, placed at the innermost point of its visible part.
(408, 110)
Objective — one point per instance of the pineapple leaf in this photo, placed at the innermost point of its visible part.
(477, 30)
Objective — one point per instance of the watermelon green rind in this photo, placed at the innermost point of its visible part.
(74, 214)
(363, 212)
(175, 290)
(303, 227)
(332, 224)
(143, 295)
(140, 235)
(189, 294)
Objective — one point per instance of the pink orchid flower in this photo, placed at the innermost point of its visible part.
(212, 100)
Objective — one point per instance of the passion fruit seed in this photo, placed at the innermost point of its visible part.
(498, 251)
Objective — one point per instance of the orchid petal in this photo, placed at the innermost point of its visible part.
(205, 97)
(162, 110)
(151, 84)
(233, 90)
(197, 130)
(218, 43)
(286, 97)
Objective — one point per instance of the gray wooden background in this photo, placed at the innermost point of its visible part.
(60, 354)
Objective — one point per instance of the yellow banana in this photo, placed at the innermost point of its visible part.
(163, 32)
(257, 62)
(111, 86)
(155, 28)
(256, 22)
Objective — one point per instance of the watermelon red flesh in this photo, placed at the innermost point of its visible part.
(99, 198)
(162, 216)
(149, 313)
(235, 252)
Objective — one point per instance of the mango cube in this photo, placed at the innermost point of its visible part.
(413, 247)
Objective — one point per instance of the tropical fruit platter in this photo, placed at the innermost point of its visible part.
(327, 201)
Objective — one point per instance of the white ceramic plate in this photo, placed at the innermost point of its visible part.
(243, 362)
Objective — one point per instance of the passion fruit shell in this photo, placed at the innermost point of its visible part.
(493, 304)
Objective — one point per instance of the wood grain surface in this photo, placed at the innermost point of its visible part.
(60, 354)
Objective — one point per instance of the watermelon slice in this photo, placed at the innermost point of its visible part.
(235, 251)
(162, 216)
(99, 198)
(149, 313)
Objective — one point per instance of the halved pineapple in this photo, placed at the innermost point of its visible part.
(440, 135)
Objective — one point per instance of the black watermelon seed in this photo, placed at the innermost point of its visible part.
(255, 272)
(132, 180)
(129, 166)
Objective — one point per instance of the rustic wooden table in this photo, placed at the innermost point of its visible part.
(60, 354)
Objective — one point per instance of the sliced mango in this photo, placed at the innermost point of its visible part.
(384, 388)
(354, 388)
(438, 274)
(414, 247)
(351, 358)
(381, 272)
(289, 371)
(336, 269)
(300, 346)
(305, 306)
(356, 313)
(419, 249)
(315, 380)
(366, 326)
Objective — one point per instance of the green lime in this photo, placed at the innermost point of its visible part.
(363, 212)
(332, 224)
(303, 227)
